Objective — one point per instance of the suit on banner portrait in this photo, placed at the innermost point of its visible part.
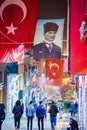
(54, 71)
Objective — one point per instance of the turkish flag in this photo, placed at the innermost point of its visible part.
(78, 50)
(18, 20)
(54, 72)
(14, 53)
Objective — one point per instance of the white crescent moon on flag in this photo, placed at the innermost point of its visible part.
(20, 3)
(54, 64)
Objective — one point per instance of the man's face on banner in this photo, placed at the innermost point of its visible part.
(50, 36)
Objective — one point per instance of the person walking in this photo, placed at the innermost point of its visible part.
(17, 111)
(41, 114)
(53, 114)
(2, 115)
(30, 115)
(61, 108)
(72, 109)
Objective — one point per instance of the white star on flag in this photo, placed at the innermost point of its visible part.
(11, 29)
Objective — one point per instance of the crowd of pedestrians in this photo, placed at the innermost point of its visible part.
(31, 112)
(39, 112)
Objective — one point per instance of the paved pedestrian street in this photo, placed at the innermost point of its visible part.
(8, 124)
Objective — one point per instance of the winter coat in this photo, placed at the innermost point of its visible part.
(30, 111)
(41, 111)
(53, 110)
(17, 111)
(74, 125)
(2, 113)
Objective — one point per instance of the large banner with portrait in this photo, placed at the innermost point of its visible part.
(48, 39)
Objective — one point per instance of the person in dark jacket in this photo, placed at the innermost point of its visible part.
(17, 111)
(73, 124)
(2, 115)
(47, 48)
(41, 114)
(53, 114)
(30, 115)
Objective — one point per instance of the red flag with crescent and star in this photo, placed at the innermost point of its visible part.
(54, 72)
(18, 20)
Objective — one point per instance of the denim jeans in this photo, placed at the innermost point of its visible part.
(53, 122)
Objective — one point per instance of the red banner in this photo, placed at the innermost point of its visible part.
(18, 20)
(12, 53)
(78, 48)
(54, 72)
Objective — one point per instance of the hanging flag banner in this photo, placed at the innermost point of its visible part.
(54, 72)
(14, 53)
(78, 37)
(18, 20)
